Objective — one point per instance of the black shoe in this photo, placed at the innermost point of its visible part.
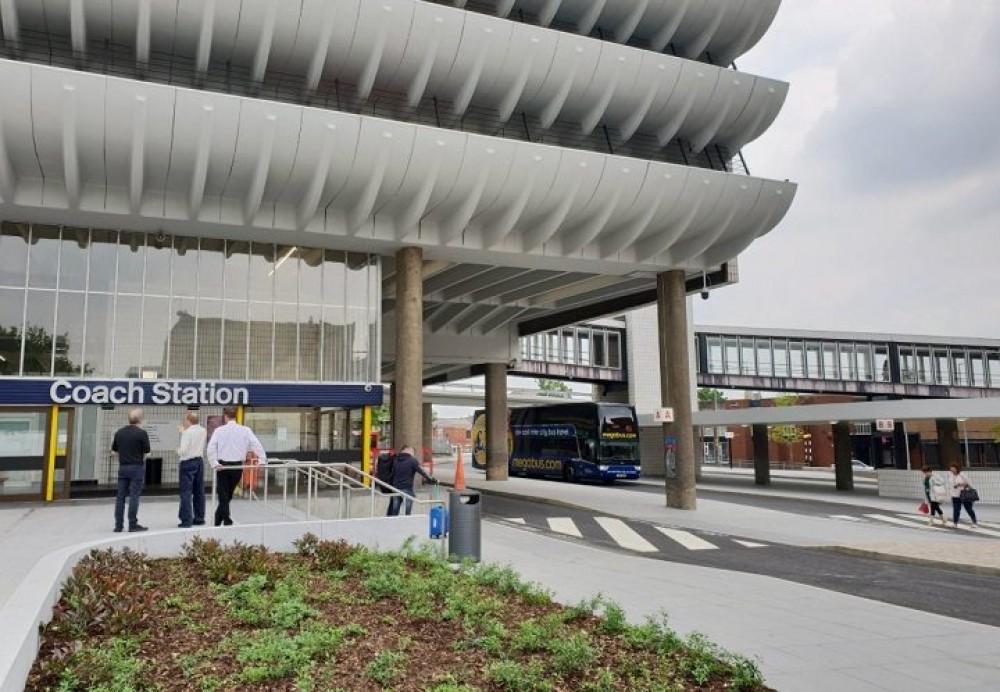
(184, 526)
(227, 522)
(118, 529)
(198, 523)
(137, 528)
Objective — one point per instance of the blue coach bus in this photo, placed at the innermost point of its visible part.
(575, 441)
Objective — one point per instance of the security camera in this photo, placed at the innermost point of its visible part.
(161, 237)
(704, 294)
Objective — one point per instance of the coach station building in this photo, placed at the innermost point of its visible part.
(283, 205)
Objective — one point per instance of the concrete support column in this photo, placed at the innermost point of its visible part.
(496, 421)
(761, 455)
(842, 455)
(408, 422)
(949, 448)
(427, 439)
(675, 386)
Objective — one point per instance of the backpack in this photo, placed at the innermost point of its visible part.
(384, 469)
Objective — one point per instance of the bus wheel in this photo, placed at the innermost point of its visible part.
(569, 473)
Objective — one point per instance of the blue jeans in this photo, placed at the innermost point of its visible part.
(192, 481)
(397, 500)
(131, 478)
(956, 510)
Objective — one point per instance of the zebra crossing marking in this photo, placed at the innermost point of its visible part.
(893, 520)
(517, 520)
(750, 544)
(688, 540)
(564, 525)
(845, 517)
(625, 536)
(962, 526)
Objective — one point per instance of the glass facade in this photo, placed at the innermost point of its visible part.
(583, 345)
(111, 304)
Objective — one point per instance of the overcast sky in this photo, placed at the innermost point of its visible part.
(892, 131)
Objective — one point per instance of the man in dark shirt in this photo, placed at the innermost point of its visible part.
(131, 446)
(404, 470)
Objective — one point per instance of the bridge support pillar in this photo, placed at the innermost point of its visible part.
(842, 455)
(407, 422)
(761, 455)
(675, 388)
(496, 421)
(949, 448)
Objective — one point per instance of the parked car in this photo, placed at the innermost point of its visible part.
(861, 466)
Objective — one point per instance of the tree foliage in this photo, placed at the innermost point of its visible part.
(707, 395)
(785, 434)
(553, 386)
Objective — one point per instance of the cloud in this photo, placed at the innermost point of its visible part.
(889, 131)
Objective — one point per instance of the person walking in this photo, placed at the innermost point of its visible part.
(958, 484)
(405, 467)
(191, 474)
(131, 445)
(229, 446)
(935, 492)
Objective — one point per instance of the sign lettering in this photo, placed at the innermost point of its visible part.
(158, 393)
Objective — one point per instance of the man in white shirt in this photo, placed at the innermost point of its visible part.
(192, 472)
(230, 445)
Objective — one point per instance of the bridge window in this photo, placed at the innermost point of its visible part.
(813, 369)
(907, 365)
(715, 361)
(568, 346)
(882, 369)
(746, 356)
(583, 337)
(942, 374)
(552, 347)
(960, 371)
(925, 370)
(780, 358)
(977, 372)
(863, 357)
(796, 352)
(732, 356)
(614, 350)
(848, 371)
(830, 362)
(764, 357)
(993, 369)
(600, 350)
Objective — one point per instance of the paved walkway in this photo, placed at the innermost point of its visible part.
(805, 638)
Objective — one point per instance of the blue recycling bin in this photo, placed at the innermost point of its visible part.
(438, 521)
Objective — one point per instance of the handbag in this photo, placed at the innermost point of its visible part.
(923, 508)
(968, 494)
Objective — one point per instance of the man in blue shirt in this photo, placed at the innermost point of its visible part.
(131, 446)
(404, 470)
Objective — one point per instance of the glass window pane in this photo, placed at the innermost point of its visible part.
(237, 269)
(100, 325)
(614, 350)
(780, 348)
(131, 262)
(747, 364)
(126, 339)
(103, 258)
(813, 361)
(211, 265)
(360, 346)
(208, 358)
(942, 372)
(847, 369)
(830, 362)
(882, 369)
(334, 281)
(993, 365)
(159, 254)
(863, 357)
(69, 334)
(960, 368)
(38, 332)
(234, 349)
(262, 272)
(796, 354)
(11, 315)
(552, 353)
(73, 258)
(311, 276)
(13, 254)
(334, 346)
(309, 342)
(583, 336)
(155, 334)
(732, 356)
(715, 362)
(182, 337)
(907, 364)
(600, 349)
(286, 274)
(925, 369)
(43, 261)
(977, 374)
(185, 267)
(763, 357)
(286, 339)
(261, 340)
(568, 346)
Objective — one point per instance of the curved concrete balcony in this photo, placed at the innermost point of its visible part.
(85, 149)
(723, 29)
(419, 49)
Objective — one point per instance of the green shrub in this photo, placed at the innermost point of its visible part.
(385, 667)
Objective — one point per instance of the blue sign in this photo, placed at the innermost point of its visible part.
(81, 392)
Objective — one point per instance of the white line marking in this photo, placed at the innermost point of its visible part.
(894, 520)
(845, 517)
(688, 540)
(516, 520)
(564, 525)
(750, 544)
(963, 525)
(624, 536)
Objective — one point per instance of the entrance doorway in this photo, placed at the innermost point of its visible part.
(31, 459)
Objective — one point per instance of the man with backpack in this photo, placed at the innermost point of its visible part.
(399, 472)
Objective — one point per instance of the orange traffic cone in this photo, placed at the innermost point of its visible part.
(459, 472)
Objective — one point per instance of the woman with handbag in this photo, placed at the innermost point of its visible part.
(960, 497)
(936, 492)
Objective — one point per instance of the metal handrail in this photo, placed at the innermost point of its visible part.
(339, 475)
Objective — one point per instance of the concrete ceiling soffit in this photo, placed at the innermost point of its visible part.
(724, 29)
(85, 149)
(419, 49)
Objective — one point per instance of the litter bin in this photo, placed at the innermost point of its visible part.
(154, 471)
(464, 515)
